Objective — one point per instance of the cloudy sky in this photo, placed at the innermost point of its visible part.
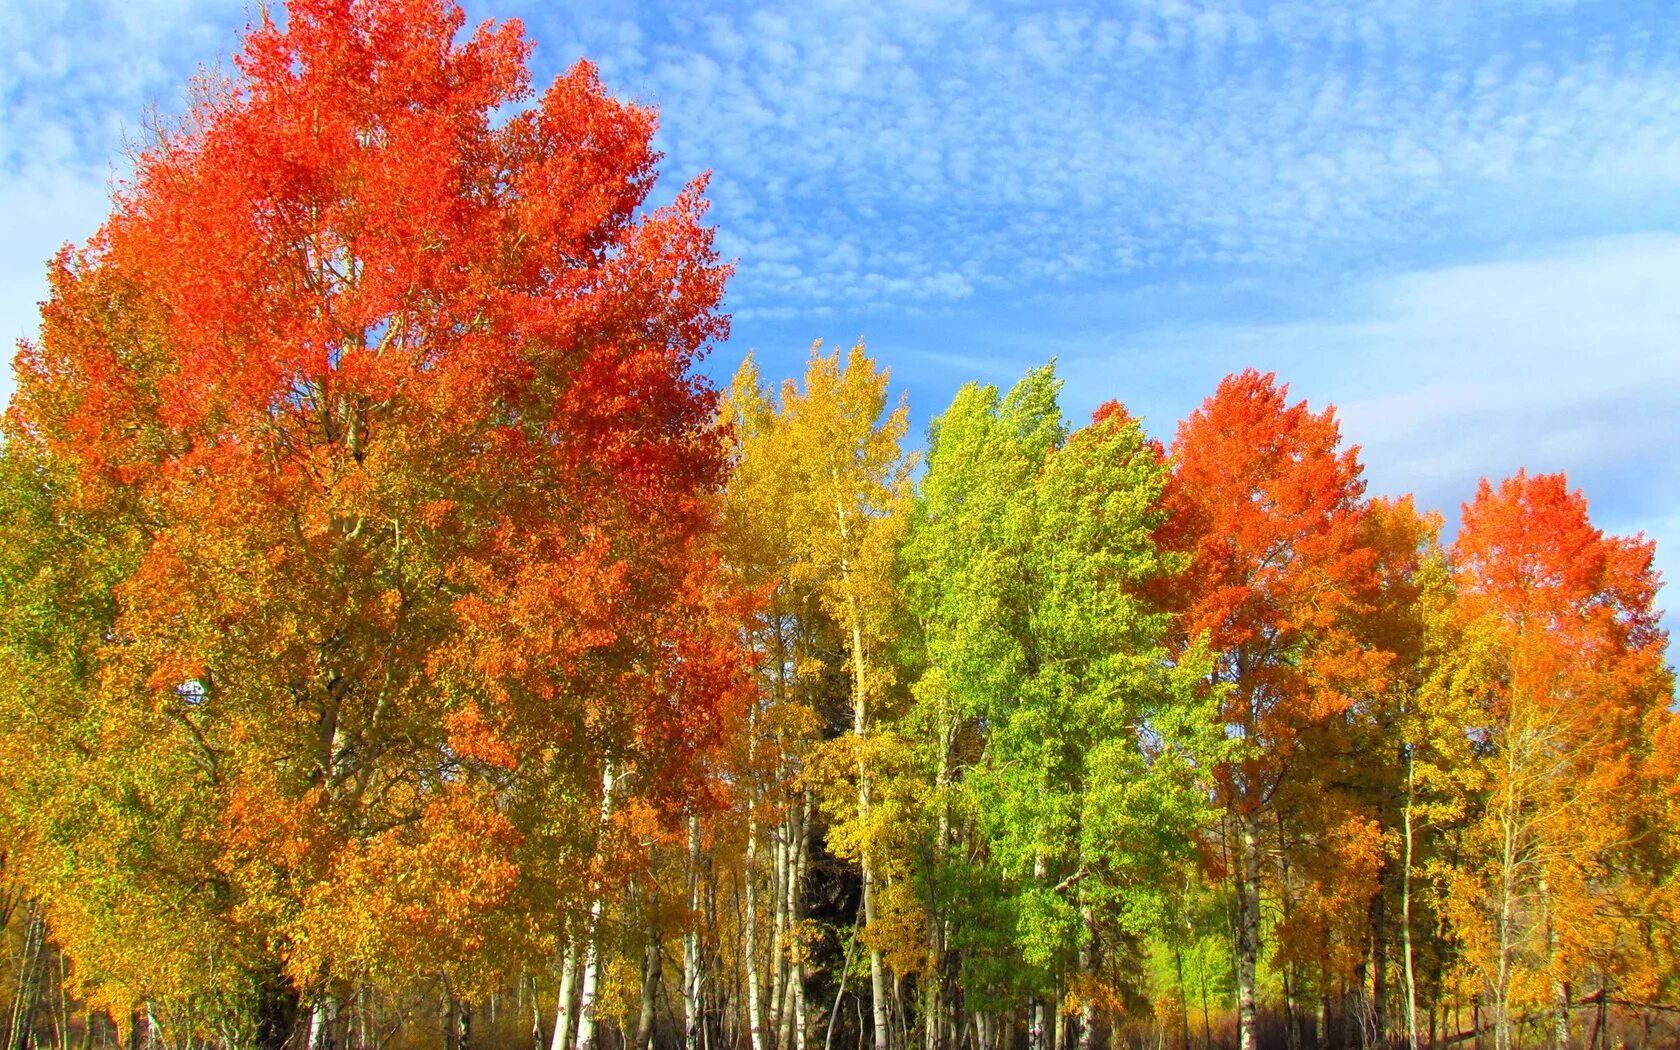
(1457, 222)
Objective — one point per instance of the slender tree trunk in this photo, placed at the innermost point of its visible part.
(860, 727)
(1090, 963)
(692, 983)
(23, 1000)
(590, 979)
(563, 999)
(1509, 828)
(840, 992)
(936, 972)
(749, 935)
(1183, 997)
(1561, 1035)
(536, 1012)
(1248, 929)
(792, 1013)
(796, 892)
(1379, 961)
(1406, 908)
(651, 975)
(778, 934)
(321, 1018)
(877, 968)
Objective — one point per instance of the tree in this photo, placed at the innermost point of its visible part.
(1030, 569)
(1563, 657)
(966, 576)
(850, 485)
(1269, 509)
(368, 424)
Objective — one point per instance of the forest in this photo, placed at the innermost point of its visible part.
(405, 646)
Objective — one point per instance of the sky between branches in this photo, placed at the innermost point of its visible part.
(1460, 223)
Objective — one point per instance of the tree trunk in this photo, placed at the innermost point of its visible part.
(536, 1012)
(749, 935)
(877, 968)
(692, 984)
(563, 999)
(840, 992)
(321, 1018)
(1248, 929)
(23, 1000)
(1560, 988)
(860, 727)
(936, 973)
(1379, 961)
(590, 979)
(1090, 963)
(651, 967)
(1406, 909)
(797, 893)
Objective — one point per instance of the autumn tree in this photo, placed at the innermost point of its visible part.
(793, 637)
(1269, 508)
(1563, 658)
(964, 565)
(1053, 719)
(356, 600)
(851, 483)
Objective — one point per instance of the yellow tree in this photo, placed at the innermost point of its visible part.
(845, 506)
(788, 632)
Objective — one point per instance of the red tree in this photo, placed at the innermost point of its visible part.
(1269, 508)
(386, 404)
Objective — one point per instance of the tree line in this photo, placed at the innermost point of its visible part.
(404, 645)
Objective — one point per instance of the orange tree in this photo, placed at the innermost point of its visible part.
(358, 491)
(1561, 664)
(1270, 509)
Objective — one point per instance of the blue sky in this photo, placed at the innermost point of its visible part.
(1458, 222)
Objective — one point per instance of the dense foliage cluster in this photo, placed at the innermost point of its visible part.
(403, 646)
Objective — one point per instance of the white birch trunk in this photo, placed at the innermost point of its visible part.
(692, 985)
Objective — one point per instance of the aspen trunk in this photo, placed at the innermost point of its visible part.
(1406, 910)
(651, 975)
(589, 982)
(1510, 833)
(860, 724)
(749, 936)
(563, 999)
(1035, 1030)
(1379, 960)
(691, 943)
(321, 1018)
(936, 997)
(590, 978)
(877, 969)
(795, 894)
(536, 1012)
(778, 932)
(1560, 988)
(791, 962)
(1248, 928)
(1089, 963)
(23, 1002)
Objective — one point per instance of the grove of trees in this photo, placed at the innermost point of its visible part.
(405, 646)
